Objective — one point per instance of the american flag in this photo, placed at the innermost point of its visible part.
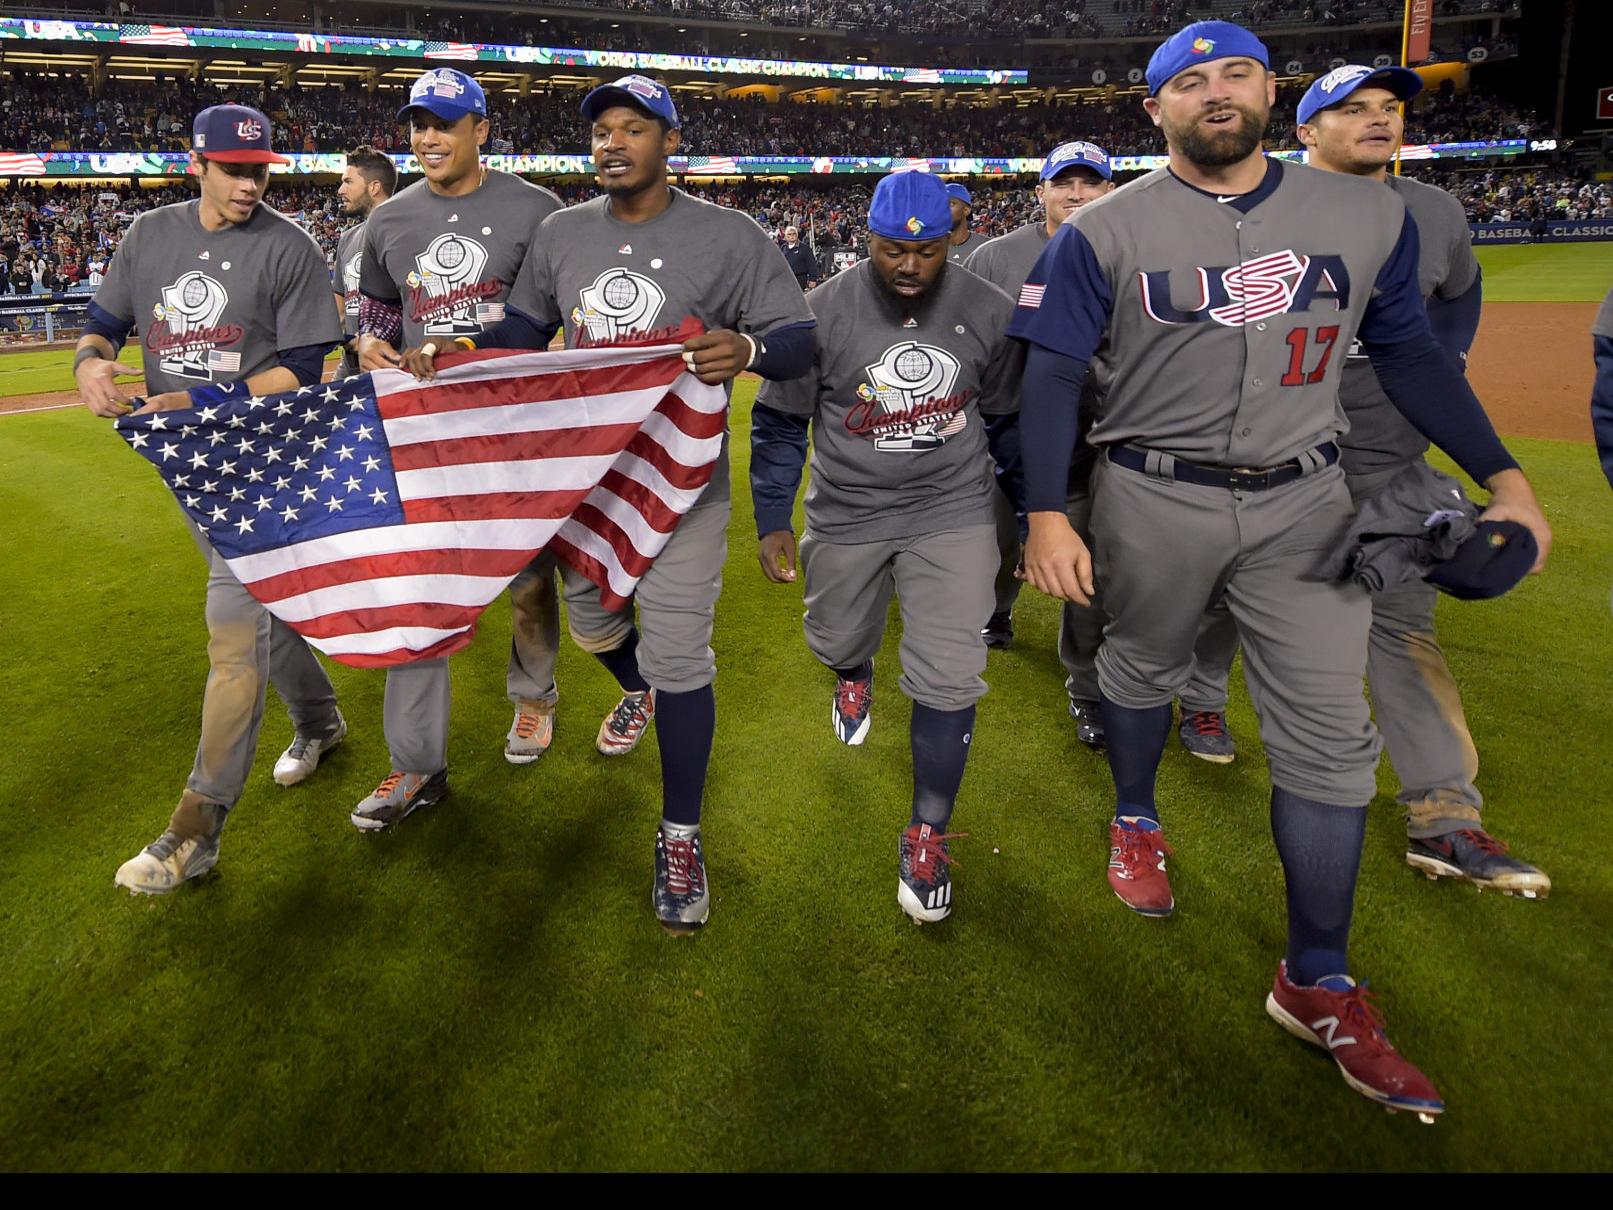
(713, 165)
(450, 50)
(378, 516)
(18, 163)
(153, 35)
(1031, 296)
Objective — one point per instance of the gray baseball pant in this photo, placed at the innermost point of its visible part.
(1166, 550)
(942, 581)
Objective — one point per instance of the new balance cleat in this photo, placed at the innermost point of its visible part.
(397, 797)
(1473, 854)
(853, 704)
(530, 734)
(1204, 734)
(681, 898)
(298, 762)
(1088, 718)
(999, 631)
(1137, 866)
(1340, 1017)
(924, 882)
(187, 850)
(624, 726)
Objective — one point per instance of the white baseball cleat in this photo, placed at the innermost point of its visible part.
(176, 856)
(298, 762)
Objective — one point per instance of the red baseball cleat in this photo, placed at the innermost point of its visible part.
(1343, 1020)
(1137, 866)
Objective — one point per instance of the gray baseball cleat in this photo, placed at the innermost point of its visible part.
(187, 850)
(397, 797)
(530, 734)
(298, 762)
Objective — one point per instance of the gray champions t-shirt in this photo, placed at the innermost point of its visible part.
(345, 282)
(1380, 437)
(958, 253)
(450, 261)
(607, 280)
(895, 398)
(217, 306)
(1008, 260)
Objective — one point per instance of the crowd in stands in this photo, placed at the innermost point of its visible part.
(61, 238)
(40, 114)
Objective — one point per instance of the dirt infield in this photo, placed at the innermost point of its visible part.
(1531, 365)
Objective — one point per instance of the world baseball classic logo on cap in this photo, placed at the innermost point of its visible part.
(914, 224)
(1203, 46)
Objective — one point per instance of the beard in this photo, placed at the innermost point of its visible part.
(1218, 148)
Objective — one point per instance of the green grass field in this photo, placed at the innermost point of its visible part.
(1547, 272)
(485, 987)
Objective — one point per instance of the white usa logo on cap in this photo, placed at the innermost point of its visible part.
(1340, 76)
(249, 130)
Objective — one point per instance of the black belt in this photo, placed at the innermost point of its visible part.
(1233, 478)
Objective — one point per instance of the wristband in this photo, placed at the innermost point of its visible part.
(755, 349)
(88, 353)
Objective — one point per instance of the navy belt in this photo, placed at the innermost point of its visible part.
(1232, 478)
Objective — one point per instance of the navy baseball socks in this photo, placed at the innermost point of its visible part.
(940, 744)
(630, 718)
(688, 724)
(1312, 997)
(1137, 850)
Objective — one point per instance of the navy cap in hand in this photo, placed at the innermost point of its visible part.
(1491, 562)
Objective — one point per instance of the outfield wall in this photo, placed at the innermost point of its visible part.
(1576, 232)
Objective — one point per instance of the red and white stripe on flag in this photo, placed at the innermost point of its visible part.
(153, 35)
(596, 452)
(21, 164)
(1031, 296)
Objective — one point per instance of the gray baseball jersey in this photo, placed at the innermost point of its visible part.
(451, 261)
(345, 282)
(1602, 325)
(1380, 437)
(958, 253)
(217, 306)
(1220, 334)
(895, 399)
(1008, 260)
(606, 279)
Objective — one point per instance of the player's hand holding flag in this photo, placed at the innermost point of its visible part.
(378, 516)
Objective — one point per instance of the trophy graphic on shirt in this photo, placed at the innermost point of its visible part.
(187, 332)
(448, 287)
(618, 304)
(351, 272)
(912, 386)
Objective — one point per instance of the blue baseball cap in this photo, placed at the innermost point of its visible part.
(641, 92)
(1076, 155)
(958, 191)
(1202, 42)
(1339, 83)
(446, 92)
(233, 134)
(1497, 556)
(910, 206)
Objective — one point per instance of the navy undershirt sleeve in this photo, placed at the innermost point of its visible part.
(1397, 311)
(1456, 322)
(790, 348)
(1602, 405)
(1050, 420)
(1002, 439)
(307, 362)
(517, 330)
(778, 451)
(1065, 303)
(101, 322)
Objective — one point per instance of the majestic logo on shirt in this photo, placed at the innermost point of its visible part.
(447, 293)
(618, 304)
(187, 334)
(1276, 284)
(350, 275)
(907, 405)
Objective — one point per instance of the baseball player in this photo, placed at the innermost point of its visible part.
(438, 261)
(1073, 174)
(1216, 307)
(1602, 393)
(368, 180)
(911, 356)
(962, 242)
(223, 292)
(1351, 121)
(641, 258)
